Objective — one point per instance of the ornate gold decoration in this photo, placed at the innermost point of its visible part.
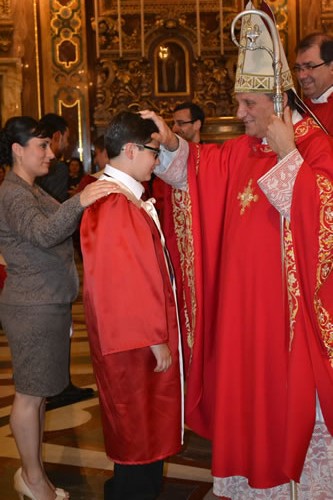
(11, 76)
(293, 290)
(182, 216)
(66, 25)
(327, 16)
(325, 320)
(5, 7)
(247, 197)
(65, 74)
(6, 26)
(182, 219)
(132, 79)
(304, 126)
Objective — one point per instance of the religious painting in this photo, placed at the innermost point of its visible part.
(171, 68)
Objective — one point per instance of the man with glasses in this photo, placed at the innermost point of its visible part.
(188, 120)
(131, 316)
(314, 71)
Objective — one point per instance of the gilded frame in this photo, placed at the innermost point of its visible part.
(163, 73)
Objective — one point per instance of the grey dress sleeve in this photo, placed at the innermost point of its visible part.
(36, 217)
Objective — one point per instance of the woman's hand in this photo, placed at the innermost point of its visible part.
(96, 190)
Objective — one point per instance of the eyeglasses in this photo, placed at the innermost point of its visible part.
(156, 151)
(180, 123)
(307, 67)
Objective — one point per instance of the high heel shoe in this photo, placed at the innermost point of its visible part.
(62, 493)
(22, 489)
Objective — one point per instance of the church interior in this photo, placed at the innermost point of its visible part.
(87, 60)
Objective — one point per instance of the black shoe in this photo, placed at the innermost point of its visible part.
(72, 394)
(73, 391)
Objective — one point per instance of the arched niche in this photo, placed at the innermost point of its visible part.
(171, 68)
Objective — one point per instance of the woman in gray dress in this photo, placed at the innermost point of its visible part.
(41, 284)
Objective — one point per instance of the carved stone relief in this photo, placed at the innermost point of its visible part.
(327, 16)
(11, 88)
(6, 26)
(167, 66)
(10, 66)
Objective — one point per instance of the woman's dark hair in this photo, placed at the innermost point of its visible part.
(18, 129)
(81, 169)
(127, 127)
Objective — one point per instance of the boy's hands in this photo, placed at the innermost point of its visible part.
(163, 357)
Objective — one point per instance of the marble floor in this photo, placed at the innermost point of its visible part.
(73, 444)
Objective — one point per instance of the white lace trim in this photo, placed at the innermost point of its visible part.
(316, 481)
(173, 166)
(278, 183)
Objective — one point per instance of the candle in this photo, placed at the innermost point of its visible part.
(142, 28)
(198, 28)
(119, 31)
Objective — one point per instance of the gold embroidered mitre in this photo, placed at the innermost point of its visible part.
(255, 67)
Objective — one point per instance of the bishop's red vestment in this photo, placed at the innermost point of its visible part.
(130, 306)
(260, 335)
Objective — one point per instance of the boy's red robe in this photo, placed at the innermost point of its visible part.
(130, 306)
(257, 354)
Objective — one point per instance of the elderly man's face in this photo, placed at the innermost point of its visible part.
(255, 110)
(313, 80)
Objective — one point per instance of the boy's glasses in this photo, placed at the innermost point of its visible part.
(156, 151)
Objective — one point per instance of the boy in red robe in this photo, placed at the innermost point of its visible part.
(131, 316)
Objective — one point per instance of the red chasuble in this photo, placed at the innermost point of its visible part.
(130, 306)
(261, 341)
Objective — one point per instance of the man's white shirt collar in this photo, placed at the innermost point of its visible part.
(133, 185)
(323, 97)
